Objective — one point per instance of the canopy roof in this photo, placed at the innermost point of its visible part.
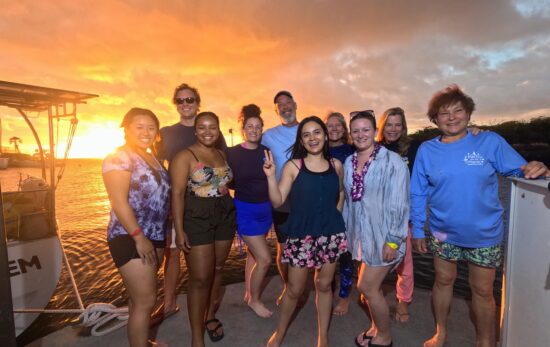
(35, 98)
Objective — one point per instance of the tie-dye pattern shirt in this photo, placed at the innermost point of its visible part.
(148, 195)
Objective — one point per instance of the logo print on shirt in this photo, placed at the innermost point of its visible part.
(474, 159)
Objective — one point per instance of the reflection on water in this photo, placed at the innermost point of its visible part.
(83, 213)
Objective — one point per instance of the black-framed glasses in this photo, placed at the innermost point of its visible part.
(355, 113)
(190, 100)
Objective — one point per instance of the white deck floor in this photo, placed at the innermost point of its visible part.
(244, 328)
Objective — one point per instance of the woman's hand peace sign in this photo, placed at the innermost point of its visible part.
(269, 164)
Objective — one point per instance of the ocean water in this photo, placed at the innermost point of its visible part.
(83, 213)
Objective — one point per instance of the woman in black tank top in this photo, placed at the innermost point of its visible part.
(315, 226)
(204, 221)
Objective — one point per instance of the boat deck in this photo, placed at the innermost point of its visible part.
(244, 328)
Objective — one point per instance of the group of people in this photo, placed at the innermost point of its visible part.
(333, 194)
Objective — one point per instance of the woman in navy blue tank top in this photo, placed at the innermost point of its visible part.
(252, 204)
(315, 227)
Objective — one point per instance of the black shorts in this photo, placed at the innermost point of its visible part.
(206, 220)
(123, 249)
(279, 218)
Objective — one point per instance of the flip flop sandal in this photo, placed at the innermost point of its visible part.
(212, 333)
(365, 338)
(377, 345)
(400, 316)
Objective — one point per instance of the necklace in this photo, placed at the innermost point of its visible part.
(357, 187)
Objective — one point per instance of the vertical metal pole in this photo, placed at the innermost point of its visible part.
(52, 170)
(7, 325)
(38, 143)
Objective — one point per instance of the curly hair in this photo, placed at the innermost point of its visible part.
(250, 111)
(447, 97)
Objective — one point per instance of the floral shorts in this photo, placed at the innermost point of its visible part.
(484, 256)
(313, 252)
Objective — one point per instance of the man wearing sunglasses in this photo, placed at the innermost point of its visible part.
(173, 139)
(279, 139)
(181, 135)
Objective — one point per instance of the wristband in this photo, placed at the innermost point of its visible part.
(136, 232)
(392, 245)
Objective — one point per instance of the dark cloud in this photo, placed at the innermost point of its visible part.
(334, 55)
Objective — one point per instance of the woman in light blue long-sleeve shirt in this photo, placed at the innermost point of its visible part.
(456, 175)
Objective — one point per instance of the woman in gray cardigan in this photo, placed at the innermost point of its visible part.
(376, 213)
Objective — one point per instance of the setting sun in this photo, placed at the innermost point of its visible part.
(96, 141)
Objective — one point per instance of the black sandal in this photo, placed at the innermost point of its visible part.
(377, 345)
(212, 333)
(365, 338)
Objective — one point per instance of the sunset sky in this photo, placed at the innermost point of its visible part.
(340, 55)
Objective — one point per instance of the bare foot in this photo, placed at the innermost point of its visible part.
(322, 342)
(342, 307)
(160, 313)
(363, 300)
(260, 309)
(274, 341)
(246, 297)
(438, 340)
(402, 312)
(380, 341)
(280, 299)
(157, 344)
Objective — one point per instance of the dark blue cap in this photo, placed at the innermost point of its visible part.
(282, 92)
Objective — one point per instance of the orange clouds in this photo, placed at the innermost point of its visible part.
(332, 55)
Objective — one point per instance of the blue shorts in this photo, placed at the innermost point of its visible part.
(253, 219)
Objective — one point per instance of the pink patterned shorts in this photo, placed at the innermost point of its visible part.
(313, 252)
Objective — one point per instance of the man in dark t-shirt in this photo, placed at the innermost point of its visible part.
(173, 139)
(179, 136)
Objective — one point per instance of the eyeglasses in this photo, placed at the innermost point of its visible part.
(180, 101)
(355, 113)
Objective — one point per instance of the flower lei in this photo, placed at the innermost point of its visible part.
(357, 188)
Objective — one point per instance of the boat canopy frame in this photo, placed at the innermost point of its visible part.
(58, 103)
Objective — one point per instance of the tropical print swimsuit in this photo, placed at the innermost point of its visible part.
(206, 182)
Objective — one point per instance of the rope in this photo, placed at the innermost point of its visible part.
(70, 137)
(99, 314)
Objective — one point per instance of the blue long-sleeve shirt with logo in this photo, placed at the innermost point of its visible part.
(458, 181)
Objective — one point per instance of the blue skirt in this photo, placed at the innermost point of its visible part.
(253, 219)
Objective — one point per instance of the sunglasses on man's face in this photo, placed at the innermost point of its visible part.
(190, 100)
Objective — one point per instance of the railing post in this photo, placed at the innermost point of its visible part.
(7, 326)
